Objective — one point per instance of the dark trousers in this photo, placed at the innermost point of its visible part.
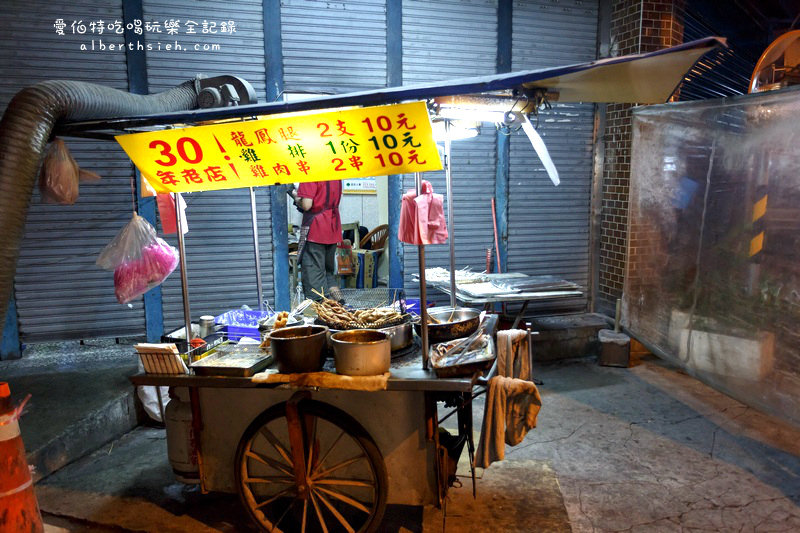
(318, 269)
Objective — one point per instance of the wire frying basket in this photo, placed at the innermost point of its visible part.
(374, 297)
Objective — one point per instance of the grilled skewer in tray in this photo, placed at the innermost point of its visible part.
(336, 316)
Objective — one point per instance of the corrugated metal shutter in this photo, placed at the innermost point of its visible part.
(219, 245)
(60, 292)
(220, 259)
(549, 226)
(240, 53)
(444, 40)
(333, 46)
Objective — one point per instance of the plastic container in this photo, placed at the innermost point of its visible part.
(412, 305)
(241, 323)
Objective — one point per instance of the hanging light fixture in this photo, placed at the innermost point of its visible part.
(459, 129)
(494, 111)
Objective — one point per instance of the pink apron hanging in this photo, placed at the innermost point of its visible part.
(422, 217)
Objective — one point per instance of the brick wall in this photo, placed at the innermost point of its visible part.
(637, 26)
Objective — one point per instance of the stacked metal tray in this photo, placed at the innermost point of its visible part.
(229, 359)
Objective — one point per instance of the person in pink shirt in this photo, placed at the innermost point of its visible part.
(322, 229)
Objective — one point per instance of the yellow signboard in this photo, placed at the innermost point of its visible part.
(333, 145)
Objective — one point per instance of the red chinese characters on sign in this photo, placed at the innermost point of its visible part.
(385, 140)
(338, 144)
(167, 177)
(391, 141)
(239, 139)
(342, 127)
(191, 176)
(258, 171)
(414, 158)
(281, 169)
(215, 174)
(263, 137)
(303, 166)
(288, 134)
(402, 122)
(355, 162)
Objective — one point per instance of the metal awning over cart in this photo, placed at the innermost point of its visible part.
(648, 78)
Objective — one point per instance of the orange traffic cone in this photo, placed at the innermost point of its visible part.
(19, 510)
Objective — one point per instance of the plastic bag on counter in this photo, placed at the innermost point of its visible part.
(139, 259)
(60, 174)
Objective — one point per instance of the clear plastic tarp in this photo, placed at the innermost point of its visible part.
(713, 276)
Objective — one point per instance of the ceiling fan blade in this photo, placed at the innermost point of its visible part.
(541, 150)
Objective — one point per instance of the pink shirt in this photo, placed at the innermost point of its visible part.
(326, 228)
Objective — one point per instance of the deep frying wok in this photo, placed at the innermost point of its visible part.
(452, 323)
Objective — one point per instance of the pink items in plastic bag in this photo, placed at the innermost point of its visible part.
(136, 277)
(422, 217)
(140, 259)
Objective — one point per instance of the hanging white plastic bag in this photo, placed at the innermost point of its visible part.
(150, 401)
(139, 259)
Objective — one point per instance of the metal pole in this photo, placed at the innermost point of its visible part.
(254, 216)
(423, 308)
(187, 315)
(450, 222)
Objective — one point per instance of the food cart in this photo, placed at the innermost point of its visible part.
(307, 455)
(331, 457)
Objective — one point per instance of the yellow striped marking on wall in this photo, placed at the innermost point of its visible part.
(756, 244)
(760, 208)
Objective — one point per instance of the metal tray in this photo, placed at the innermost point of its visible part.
(241, 361)
(478, 360)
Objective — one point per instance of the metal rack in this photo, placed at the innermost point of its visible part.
(367, 298)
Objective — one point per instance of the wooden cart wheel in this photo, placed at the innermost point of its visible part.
(306, 466)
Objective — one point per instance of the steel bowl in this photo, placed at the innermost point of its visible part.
(361, 352)
(453, 323)
(298, 349)
(400, 336)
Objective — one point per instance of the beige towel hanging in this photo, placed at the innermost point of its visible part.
(512, 402)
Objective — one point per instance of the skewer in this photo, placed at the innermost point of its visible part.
(320, 294)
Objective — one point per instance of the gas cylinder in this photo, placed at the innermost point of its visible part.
(19, 510)
(180, 450)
